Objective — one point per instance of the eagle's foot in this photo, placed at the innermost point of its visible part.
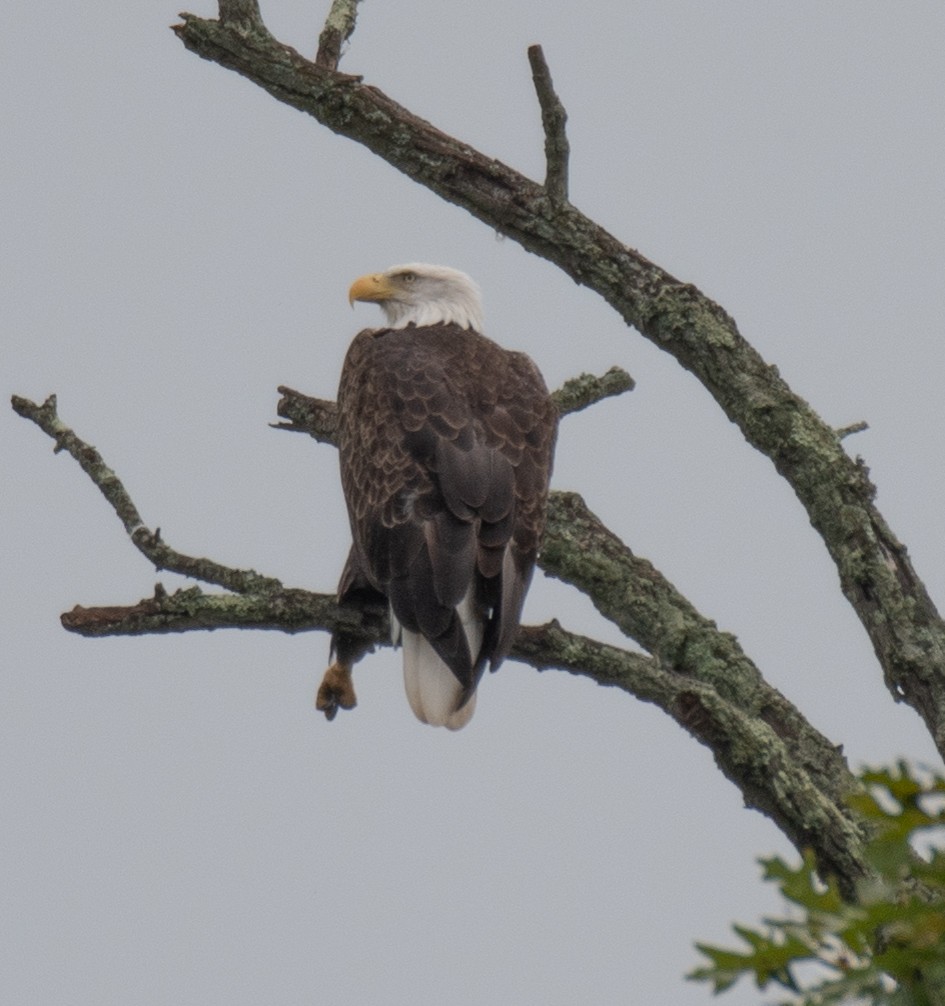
(336, 690)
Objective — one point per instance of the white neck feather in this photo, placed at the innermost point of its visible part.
(437, 312)
(438, 296)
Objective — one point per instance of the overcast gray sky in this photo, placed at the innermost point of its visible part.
(179, 825)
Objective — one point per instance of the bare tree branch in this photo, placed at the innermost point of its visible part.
(146, 541)
(189, 609)
(630, 592)
(845, 431)
(760, 756)
(581, 392)
(553, 120)
(318, 417)
(698, 675)
(876, 575)
(315, 416)
(242, 15)
(337, 30)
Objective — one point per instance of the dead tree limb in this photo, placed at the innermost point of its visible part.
(553, 120)
(876, 574)
(693, 671)
(696, 674)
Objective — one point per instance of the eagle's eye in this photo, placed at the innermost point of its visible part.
(408, 277)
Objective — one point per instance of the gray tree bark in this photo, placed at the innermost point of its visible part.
(693, 671)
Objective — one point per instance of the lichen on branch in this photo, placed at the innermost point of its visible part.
(876, 574)
(761, 743)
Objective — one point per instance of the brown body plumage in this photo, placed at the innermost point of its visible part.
(445, 442)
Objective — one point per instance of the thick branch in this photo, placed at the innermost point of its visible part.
(286, 610)
(876, 575)
(553, 121)
(715, 686)
(632, 594)
(758, 757)
(749, 751)
(642, 603)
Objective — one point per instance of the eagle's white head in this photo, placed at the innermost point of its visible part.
(422, 294)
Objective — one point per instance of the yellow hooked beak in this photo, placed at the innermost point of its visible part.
(374, 287)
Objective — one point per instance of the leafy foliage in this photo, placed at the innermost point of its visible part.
(888, 948)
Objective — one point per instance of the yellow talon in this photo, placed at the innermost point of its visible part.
(336, 691)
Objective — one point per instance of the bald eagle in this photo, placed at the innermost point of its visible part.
(446, 442)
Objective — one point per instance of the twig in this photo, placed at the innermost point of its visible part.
(338, 28)
(553, 121)
(146, 541)
(579, 393)
(315, 416)
(845, 431)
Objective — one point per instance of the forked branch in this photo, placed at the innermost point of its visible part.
(876, 574)
(780, 763)
(695, 672)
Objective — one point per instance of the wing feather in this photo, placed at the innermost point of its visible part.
(446, 444)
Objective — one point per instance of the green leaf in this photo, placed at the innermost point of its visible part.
(769, 960)
(801, 884)
(886, 950)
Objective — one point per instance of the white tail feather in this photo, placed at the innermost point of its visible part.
(432, 688)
